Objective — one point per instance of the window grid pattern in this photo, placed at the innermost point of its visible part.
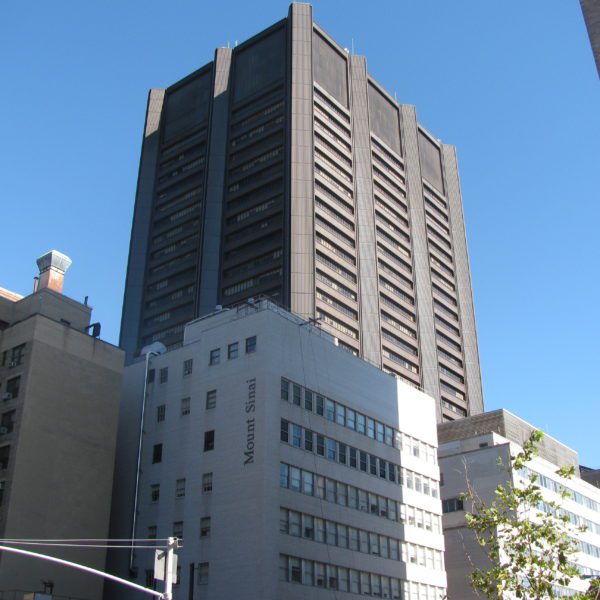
(346, 417)
(332, 533)
(328, 576)
(349, 496)
(302, 438)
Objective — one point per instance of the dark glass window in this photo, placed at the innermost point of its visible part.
(251, 344)
(209, 440)
(157, 453)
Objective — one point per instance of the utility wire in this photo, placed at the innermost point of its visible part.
(67, 545)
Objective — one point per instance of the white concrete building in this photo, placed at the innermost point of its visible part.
(290, 468)
(471, 448)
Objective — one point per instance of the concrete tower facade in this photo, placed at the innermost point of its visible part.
(282, 168)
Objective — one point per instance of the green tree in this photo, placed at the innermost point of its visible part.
(530, 548)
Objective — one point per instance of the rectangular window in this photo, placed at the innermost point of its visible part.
(12, 386)
(157, 453)
(342, 449)
(180, 488)
(329, 410)
(211, 399)
(164, 375)
(389, 436)
(371, 428)
(320, 445)
(209, 440)
(352, 458)
(309, 572)
(207, 483)
(320, 402)
(151, 375)
(284, 520)
(203, 573)
(295, 523)
(151, 532)
(452, 505)
(296, 394)
(232, 351)
(205, 527)
(185, 406)
(284, 475)
(155, 492)
(285, 389)
(284, 434)
(363, 461)
(188, 366)
(296, 436)
(178, 530)
(308, 530)
(350, 419)
(361, 423)
(308, 440)
(308, 400)
(17, 354)
(8, 421)
(307, 483)
(251, 344)
(340, 415)
(331, 449)
(150, 583)
(295, 570)
(215, 356)
(160, 412)
(295, 479)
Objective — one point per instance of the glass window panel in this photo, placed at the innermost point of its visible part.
(350, 418)
(295, 479)
(329, 410)
(308, 400)
(307, 483)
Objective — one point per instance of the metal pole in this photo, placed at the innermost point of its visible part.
(67, 563)
(172, 544)
(139, 459)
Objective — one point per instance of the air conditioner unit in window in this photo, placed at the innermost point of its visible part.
(3, 430)
(12, 364)
(6, 396)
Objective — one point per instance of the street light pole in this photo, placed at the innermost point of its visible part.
(150, 351)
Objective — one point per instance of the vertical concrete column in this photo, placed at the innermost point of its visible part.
(140, 230)
(463, 282)
(302, 244)
(208, 284)
(370, 326)
(416, 206)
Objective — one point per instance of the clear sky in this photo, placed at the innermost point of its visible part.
(512, 84)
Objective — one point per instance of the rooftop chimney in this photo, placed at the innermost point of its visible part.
(52, 266)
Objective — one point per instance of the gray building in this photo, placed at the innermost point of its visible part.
(591, 14)
(469, 451)
(282, 168)
(288, 467)
(59, 401)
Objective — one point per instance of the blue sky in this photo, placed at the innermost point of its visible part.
(512, 84)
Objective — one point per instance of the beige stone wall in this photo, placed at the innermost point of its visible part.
(59, 479)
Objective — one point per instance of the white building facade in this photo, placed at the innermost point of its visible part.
(471, 450)
(289, 468)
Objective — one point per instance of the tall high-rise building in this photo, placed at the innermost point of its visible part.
(282, 168)
(591, 14)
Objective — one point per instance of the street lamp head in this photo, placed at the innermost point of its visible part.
(154, 349)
